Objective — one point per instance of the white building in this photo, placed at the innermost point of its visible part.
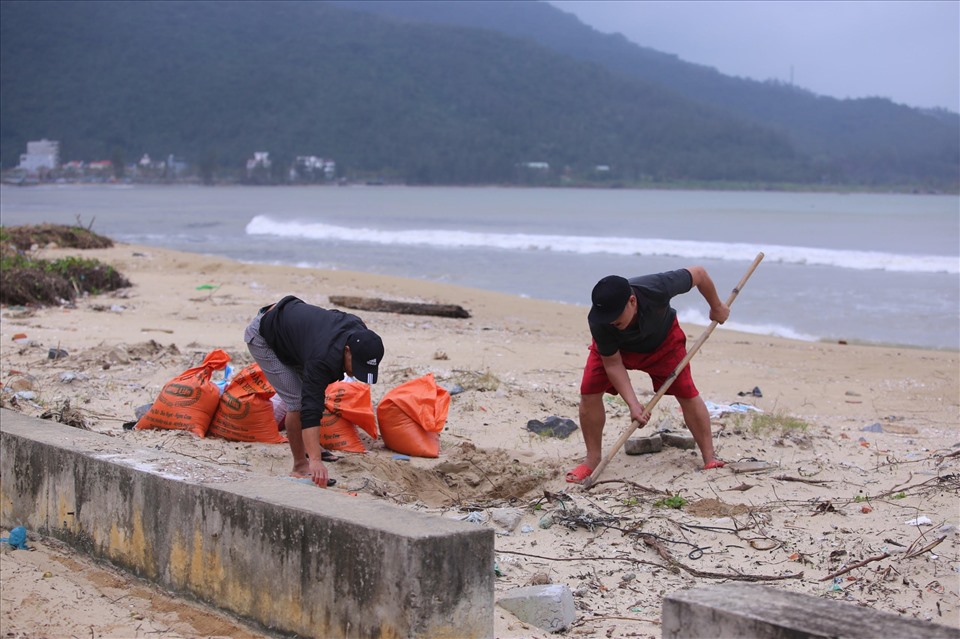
(44, 154)
(260, 159)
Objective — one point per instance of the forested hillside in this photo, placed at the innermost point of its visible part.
(863, 140)
(214, 82)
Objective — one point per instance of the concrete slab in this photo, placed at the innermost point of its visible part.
(549, 607)
(765, 612)
(292, 558)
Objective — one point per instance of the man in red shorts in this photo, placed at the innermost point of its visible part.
(635, 328)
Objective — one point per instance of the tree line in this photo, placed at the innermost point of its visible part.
(423, 103)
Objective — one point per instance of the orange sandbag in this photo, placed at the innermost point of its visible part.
(189, 401)
(412, 415)
(346, 406)
(245, 412)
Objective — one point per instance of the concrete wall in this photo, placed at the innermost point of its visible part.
(290, 557)
(764, 612)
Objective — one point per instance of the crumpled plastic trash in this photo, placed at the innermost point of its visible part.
(17, 538)
(223, 382)
(717, 410)
(475, 517)
(922, 520)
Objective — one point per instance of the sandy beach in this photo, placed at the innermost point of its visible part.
(856, 462)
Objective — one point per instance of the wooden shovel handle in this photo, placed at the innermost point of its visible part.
(634, 424)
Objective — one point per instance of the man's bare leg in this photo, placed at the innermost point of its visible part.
(592, 418)
(301, 466)
(697, 418)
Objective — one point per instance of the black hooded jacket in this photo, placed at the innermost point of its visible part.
(310, 340)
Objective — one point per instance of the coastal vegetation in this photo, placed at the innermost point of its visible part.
(471, 93)
(27, 279)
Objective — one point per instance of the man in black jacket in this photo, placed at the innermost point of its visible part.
(302, 349)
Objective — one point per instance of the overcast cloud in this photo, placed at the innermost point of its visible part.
(908, 51)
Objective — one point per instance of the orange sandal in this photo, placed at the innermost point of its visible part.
(716, 463)
(578, 474)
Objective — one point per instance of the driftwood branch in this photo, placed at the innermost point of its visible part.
(859, 564)
(914, 553)
(378, 305)
(629, 483)
(815, 482)
(665, 554)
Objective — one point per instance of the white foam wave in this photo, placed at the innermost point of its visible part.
(776, 330)
(442, 238)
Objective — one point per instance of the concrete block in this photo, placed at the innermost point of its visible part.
(291, 558)
(643, 445)
(549, 607)
(764, 612)
(678, 440)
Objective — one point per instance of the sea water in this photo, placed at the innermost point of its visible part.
(864, 268)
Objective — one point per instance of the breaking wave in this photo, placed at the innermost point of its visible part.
(585, 245)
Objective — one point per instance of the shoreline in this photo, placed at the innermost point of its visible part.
(839, 189)
(877, 422)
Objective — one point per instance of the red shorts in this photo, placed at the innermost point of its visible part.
(659, 365)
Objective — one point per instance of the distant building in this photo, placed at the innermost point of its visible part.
(41, 155)
(538, 166)
(260, 160)
(312, 168)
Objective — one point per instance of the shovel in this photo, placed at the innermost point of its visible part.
(589, 481)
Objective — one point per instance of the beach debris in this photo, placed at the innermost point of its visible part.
(506, 519)
(18, 383)
(378, 305)
(68, 377)
(56, 353)
(751, 466)
(308, 481)
(719, 410)
(753, 393)
(140, 411)
(875, 427)
(552, 426)
(549, 607)
(66, 415)
(17, 539)
(440, 355)
(539, 579)
(899, 429)
(475, 380)
(922, 520)
(474, 517)
(643, 445)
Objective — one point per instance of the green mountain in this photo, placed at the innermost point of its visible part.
(214, 82)
(869, 141)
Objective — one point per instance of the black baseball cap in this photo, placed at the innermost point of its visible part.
(366, 350)
(610, 297)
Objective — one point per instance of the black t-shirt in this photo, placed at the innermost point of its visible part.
(310, 340)
(654, 314)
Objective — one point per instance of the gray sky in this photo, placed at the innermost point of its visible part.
(908, 51)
